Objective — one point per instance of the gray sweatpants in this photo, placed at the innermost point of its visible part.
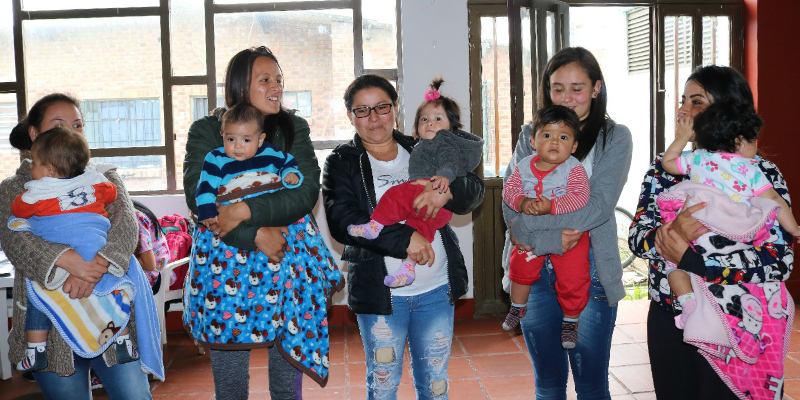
(232, 377)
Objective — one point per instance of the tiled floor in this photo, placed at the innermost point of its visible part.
(487, 363)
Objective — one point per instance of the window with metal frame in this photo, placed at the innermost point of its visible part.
(174, 54)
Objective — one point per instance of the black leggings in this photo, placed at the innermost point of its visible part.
(679, 371)
(232, 378)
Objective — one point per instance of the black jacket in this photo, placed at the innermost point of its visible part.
(349, 197)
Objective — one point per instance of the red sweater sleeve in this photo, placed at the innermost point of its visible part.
(512, 189)
(577, 193)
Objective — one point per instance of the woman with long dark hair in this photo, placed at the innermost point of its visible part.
(679, 370)
(573, 78)
(243, 291)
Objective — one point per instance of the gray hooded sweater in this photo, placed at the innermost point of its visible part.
(450, 154)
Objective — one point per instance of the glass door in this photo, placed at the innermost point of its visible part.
(509, 46)
(687, 37)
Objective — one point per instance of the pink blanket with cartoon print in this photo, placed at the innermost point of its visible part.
(747, 352)
(736, 221)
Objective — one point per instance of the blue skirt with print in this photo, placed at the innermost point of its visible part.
(238, 299)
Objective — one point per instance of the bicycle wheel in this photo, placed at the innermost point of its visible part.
(624, 219)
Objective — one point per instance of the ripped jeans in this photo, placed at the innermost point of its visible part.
(426, 321)
(541, 327)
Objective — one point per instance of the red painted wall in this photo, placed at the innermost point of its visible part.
(772, 66)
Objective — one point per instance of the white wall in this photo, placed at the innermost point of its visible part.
(436, 43)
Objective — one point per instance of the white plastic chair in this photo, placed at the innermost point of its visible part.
(166, 294)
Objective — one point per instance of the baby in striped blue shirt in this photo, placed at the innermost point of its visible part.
(245, 166)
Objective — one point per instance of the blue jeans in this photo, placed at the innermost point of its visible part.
(426, 321)
(541, 327)
(36, 320)
(121, 381)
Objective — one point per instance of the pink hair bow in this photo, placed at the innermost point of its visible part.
(431, 95)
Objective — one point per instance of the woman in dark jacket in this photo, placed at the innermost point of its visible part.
(355, 176)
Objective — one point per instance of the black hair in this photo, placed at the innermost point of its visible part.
(237, 90)
(63, 149)
(723, 124)
(596, 121)
(152, 217)
(243, 113)
(368, 81)
(450, 107)
(723, 84)
(556, 114)
(19, 137)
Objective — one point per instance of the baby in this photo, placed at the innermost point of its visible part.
(551, 181)
(63, 182)
(742, 204)
(245, 166)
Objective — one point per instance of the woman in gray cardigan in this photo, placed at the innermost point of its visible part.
(58, 267)
(573, 78)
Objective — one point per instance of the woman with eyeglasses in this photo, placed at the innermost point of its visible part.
(243, 291)
(355, 176)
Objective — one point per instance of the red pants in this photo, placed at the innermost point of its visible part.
(571, 269)
(397, 205)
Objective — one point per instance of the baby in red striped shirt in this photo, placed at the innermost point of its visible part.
(551, 181)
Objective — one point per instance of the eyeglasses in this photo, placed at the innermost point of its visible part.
(380, 109)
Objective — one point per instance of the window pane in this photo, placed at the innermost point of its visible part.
(188, 37)
(112, 64)
(315, 49)
(379, 31)
(717, 41)
(122, 123)
(7, 68)
(495, 95)
(9, 156)
(40, 5)
(605, 31)
(189, 103)
(677, 65)
(527, 60)
(140, 173)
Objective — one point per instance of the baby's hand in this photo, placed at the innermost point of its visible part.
(291, 178)
(526, 206)
(542, 206)
(210, 222)
(684, 128)
(441, 183)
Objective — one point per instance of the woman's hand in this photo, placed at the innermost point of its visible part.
(419, 250)
(518, 245)
(430, 198)
(90, 272)
(686, 226)
(77, 288)
(230, 216)
(569, 238)
(271, 242)
(670, 244)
